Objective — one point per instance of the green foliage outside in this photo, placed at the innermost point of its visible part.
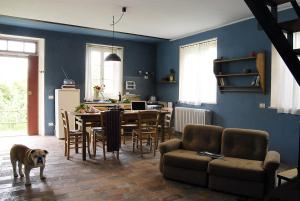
(13, 106)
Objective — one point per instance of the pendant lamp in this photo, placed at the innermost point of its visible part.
(113, 56)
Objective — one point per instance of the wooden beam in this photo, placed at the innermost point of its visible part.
(275, 34)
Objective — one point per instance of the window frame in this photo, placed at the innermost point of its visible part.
(8, 39)
(102, 65)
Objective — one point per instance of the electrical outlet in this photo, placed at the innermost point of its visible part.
(50, 97)
(50, 124)
(262, 105)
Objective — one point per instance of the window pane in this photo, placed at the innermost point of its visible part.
(16, 46)
(95, 58)
(29, 47)
(3, 44)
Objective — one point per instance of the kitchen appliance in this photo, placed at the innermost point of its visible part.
(66, 99)
(152, 99)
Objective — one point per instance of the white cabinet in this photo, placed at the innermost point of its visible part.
(66, 99)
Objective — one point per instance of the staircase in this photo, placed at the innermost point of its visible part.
(265, 11)
(267, 19)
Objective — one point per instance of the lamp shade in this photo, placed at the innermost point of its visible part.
(112, 57)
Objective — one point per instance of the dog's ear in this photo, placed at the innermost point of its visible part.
(32, 151)
(46, 152)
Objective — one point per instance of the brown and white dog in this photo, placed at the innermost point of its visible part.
(30, 158)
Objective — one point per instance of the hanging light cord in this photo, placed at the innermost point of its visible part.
(113, 24)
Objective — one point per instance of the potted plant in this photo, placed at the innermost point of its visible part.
(172, 75)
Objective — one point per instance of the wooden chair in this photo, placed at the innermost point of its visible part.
(102, 134)
(98, 135)
(147, 130)
(168, 122)
(73, 138)
(129, 122)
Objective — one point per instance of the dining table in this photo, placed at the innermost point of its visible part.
(88, 118)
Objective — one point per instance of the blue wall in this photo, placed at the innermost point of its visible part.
(68, 51)
(236, 109)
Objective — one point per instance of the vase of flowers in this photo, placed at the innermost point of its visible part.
(98, 92)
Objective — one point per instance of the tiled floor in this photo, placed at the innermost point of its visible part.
(130, 179)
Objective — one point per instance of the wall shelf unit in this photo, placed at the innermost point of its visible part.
(225, 76)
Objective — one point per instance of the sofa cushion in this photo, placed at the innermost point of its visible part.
(236, 168)
(202, 138)
(186, 159)
(244, 143)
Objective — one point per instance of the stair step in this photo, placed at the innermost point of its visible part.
(278, 2)
(297, 51)
(290, 26)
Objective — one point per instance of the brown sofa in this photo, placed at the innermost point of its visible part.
(247, 168)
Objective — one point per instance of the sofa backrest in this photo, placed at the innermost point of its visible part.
(202, 138)
(244, 143)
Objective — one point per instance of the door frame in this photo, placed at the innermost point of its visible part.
(41, 75)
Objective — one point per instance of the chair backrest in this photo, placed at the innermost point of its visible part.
(245, 143)
(202, 138)
(129, 118)
(168, 116)
(65, 119)
(111, 122)
(148, 119)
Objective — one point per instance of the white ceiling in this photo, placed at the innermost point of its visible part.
(168, 19)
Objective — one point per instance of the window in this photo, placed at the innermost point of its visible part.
(285, 92)
(197, 82)
(17, 46)
(99, 72)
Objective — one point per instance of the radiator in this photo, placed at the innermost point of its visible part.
(184, 116)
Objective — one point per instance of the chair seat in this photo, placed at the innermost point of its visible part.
(75, 131)
(186, 159)
(129, 126)
(251, 170)
(97, 129)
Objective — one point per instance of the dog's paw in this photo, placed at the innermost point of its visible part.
(16, 175)
(27, 184)
(22, 175)
(43, 178)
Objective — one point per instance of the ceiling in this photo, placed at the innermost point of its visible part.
(168, 19)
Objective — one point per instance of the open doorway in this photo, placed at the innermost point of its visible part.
(13, 95)
(23, 60)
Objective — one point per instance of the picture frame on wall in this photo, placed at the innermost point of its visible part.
(130, 85)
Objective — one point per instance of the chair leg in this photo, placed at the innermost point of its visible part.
(68, 149)
(154, 149)
(65, 147)
(118, 155)
(133, 143)
(88, 145)
(103, 143)
(76, 144)
(141, 144)
(94, 144)
(150, 141)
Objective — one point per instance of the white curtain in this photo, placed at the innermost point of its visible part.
(97, 71)
(285, 91)
(197, 82)
(88, 76)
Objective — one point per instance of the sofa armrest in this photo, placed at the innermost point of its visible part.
(169, 145)
(272, 161)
